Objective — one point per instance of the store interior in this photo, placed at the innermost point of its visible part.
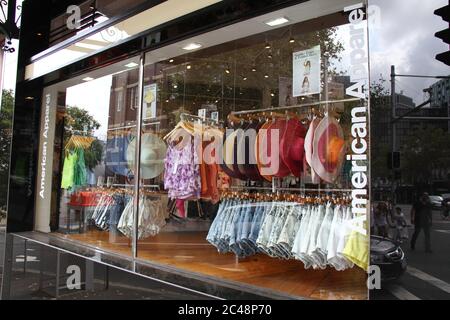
(278, 225)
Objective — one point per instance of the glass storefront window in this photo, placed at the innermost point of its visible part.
(220, 216)
(252, 155)
(93, 118)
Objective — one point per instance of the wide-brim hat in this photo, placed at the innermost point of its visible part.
(260, 148)
(153, 153)
(271, 149)
(309, 141)
(229, 154)
(246, 149)
(328, 149)
(292, 146)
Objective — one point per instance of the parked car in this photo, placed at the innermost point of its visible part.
(389, 256)
(436, 201)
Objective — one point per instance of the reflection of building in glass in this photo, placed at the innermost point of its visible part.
(440, 97)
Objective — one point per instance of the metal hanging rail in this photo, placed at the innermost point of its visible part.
(306, 105)
(184, 116)
(291, 189)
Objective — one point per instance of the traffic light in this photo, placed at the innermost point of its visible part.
(444, 35)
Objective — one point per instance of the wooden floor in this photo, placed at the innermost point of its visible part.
(190, 251)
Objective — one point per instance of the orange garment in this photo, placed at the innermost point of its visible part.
(209, 177)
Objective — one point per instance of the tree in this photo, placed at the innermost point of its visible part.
(424, 151)
(78, 119)
(6, 117)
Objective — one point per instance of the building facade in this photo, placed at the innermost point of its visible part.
(111, 99)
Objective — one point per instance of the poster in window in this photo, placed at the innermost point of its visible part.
(306, 69)
(149, 110)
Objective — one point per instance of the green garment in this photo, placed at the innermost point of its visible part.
(80, 173)
(67, 180)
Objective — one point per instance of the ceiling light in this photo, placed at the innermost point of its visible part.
(171, 60)
(269, 56)
(29, 98)
(227, 70)
(188, 67)
(272, 94)
(131, 65)
(266, 76)
(39, 34)
(192, 46)
(254, 69)
(175, 86)
(88, 79)
(291, 40)
(267, 46)
(277, 21)
(244, 78)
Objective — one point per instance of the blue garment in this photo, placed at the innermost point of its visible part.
(116, 161)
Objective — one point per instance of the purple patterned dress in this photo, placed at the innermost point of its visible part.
(182, 172)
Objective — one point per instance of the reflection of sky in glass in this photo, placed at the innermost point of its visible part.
(94, 97)
(403, 36)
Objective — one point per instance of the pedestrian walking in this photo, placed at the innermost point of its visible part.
(421, 218)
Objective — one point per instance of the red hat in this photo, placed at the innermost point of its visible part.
(292, 146)
(328, 149)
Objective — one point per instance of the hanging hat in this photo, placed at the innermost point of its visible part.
(247, 149)
(309, 140)
(229, 163)
(328, 149)
(153, 152)
(273, 150)
(292, 146)
(261, 149)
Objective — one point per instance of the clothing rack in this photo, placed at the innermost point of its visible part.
(132, 186)
(306, 105)
(291, 189)
(186, 116)
(122, 128)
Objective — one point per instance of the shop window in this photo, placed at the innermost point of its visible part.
(246, 171)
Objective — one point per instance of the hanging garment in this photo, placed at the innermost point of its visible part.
(80, 171)
(182, 177)
(67, 181)
(151, 220)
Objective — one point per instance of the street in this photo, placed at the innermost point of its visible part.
(428, 274)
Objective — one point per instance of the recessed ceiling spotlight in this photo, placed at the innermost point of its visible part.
(227, 70)
(267, 46)
(171, 60)
(266, 76)
(189, 67)
(192, 46)
(244, 78)
(175, 86)
(291, 40)
(272, 94)
(253, 69)
(277, 21)
(29, 98)
(88, 79)
(131, 65)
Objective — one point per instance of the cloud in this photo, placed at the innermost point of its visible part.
(405, 38)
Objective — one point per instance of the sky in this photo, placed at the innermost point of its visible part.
(404, 36)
